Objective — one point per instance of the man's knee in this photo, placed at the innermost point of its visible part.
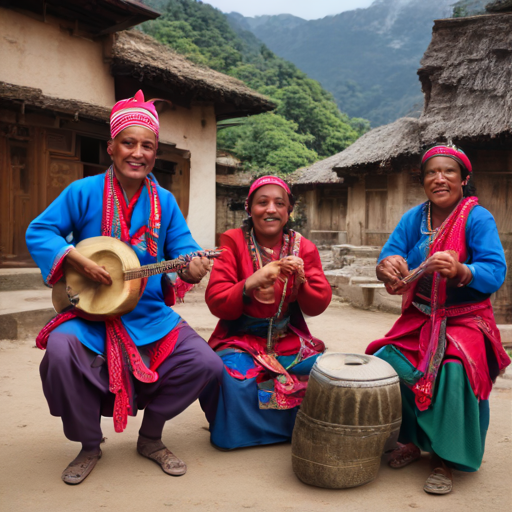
(59, 348)
(210, 365)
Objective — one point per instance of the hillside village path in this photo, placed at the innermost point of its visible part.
(34, 451)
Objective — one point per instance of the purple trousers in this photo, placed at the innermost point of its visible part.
(76, 386)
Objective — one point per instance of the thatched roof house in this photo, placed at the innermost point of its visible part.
(140, 57)
(466, 77)
(319, 172)
(64, 64)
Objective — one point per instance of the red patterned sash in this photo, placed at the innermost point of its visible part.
(123, 358)
(451, 236)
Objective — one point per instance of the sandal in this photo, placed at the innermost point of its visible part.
(404, 455)
(156, 451)
(78, 469)
(438, 482)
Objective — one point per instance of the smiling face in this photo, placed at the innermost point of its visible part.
(269, 211)
(443, 182)
(133, 152)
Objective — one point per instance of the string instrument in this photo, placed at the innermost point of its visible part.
(123, 265)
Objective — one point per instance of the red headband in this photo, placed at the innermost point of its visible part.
(133, 112)
(450, 151)
(266, 180)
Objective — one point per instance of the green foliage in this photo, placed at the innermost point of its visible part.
(269, 143)
(306, 125)
(464, 8)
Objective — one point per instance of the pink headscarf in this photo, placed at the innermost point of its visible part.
(134, 112)
(450, 151)
(267, 180)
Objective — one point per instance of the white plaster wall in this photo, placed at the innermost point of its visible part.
(195, 130)
(44, 55)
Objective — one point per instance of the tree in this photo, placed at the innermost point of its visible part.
(307, 123)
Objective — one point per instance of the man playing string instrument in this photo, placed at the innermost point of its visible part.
(149, 358)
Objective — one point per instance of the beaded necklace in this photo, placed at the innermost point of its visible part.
(431, 232)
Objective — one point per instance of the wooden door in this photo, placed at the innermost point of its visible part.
(495, 193)
(19, 194)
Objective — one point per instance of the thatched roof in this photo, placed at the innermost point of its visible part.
(97, 17)
(139, 56)
(319, 172)
(466, 76)
(227, 160)
(32, 97)
(239, 179)
(383, 149)
(499, 6)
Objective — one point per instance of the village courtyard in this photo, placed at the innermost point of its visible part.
(34, 451)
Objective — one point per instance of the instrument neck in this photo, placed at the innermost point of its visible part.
(154, 269)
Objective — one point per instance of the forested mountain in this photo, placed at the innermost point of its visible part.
(306, 125)
(367, 58)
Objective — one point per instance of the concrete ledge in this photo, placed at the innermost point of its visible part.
(506, 334)
(363, 292)
(25, 324)
(21, 279)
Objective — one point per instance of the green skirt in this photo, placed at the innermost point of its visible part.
(454, 426)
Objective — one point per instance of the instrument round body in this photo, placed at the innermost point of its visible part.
(95, 298)
(350, 415)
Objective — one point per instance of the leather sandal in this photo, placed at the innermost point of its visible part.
(156, 451)
(404, 455)
(78, 469)
(438, 482)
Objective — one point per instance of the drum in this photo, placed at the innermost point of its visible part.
(350, 415)
(95, 298)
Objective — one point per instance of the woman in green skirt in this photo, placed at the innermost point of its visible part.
(445, 258)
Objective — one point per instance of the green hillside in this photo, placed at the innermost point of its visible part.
(367, 58)
(307, 124)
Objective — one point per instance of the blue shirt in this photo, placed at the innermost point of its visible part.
(486, 258)
(76, 215)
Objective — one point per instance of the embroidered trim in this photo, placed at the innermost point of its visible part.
(57, 271)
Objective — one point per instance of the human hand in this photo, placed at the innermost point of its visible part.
(392, 270)
(88, 268)
(294, 265)
(196, 270)
(264, 277)
(444, 262)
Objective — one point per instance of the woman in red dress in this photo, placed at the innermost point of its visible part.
(266, 278)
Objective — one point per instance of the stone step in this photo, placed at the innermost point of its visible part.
(23, 313)
(12, 279)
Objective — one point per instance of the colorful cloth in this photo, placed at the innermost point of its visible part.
(451, 152)
(438, 429)
(272, 375)
(156, 230)
(266, 180)
(442, 323)
(134, 112)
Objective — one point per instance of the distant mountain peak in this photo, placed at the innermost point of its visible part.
(367, 58)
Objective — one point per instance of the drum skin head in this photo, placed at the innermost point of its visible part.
(98, 299)
(353, 367)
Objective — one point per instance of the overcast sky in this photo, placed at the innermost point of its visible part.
(307, 9)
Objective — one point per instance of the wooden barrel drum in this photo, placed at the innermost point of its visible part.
(350, 415)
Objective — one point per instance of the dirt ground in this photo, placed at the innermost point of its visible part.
(34, 451)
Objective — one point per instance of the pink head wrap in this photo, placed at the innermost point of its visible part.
(451, 152)
(266, 180)
(133, 112)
